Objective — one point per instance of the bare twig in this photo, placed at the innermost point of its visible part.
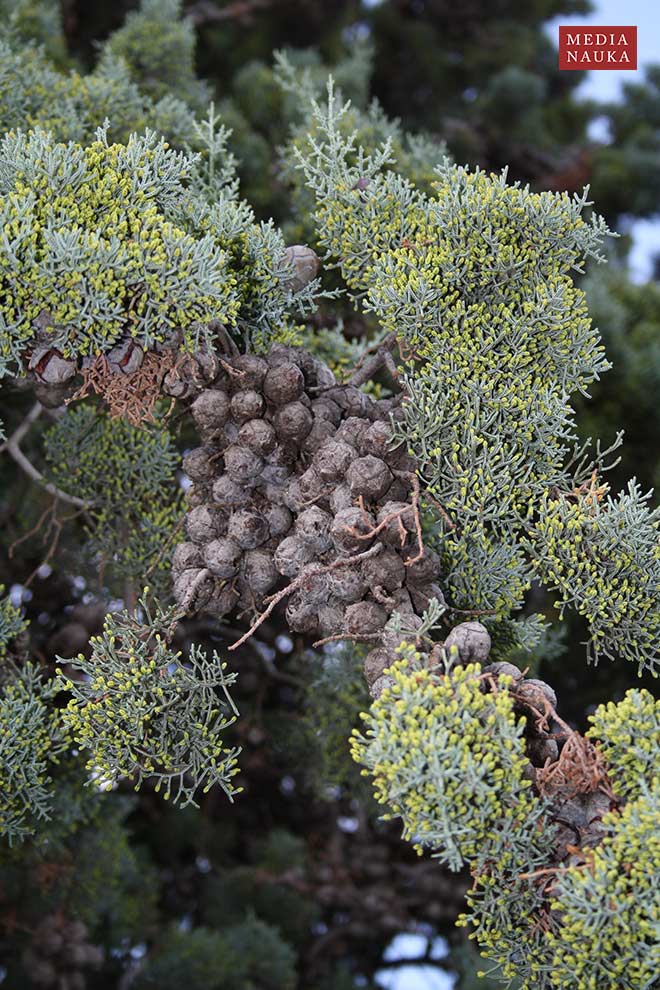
(13, 449)
(192, 590)
(273, 600)
(204, 12)
(361, 638)
(367, 367)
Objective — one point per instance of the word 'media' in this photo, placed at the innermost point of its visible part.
(598, 47)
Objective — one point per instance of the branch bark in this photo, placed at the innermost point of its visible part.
(12, 446)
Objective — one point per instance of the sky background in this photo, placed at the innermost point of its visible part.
(607, 85)
(602, 86)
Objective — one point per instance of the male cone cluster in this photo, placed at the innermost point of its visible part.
(297, 485)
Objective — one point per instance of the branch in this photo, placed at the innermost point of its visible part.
(273, 600)
(13, 449)
(366, 369)
(205, 12)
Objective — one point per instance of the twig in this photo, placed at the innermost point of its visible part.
(168, 542)
(366, 369)
(441, 509)
(356, 638)
(207, 13)
(12, 447)
(415, 507)
(274, 600)
(190, 594)
(20, 432)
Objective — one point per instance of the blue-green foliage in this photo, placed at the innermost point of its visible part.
(476, 281)
(159, 49)
(31, 739)
(126, 475)
(250, 954)
(12, 622)
(603, 559)
(144, 712)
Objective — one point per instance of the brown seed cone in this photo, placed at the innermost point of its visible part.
(283, 383)
(295, 475)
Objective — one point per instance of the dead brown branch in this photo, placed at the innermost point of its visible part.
(132, 397)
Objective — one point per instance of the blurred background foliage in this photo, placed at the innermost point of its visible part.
(298, 885)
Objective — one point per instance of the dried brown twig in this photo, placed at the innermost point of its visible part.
(132, 397)
(13, 449)
(311, 572)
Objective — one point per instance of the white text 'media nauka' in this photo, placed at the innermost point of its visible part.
(609, 49)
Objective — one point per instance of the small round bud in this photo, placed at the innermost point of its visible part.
(327, 409)
(248, 528)
(258, 435)
(340, 498)
(205, 522)
(301, 615)
(377, 687)
(196, 495)
(304, 264)
(536, 693)
(291, 556)
(376, 662)
(350, 528)
(377, 441)
(472, 640)
(321, 431)
(275, 476)
(252, 371)
(222, 600)
(400, 523)
(178, 384)
(321, 376)
(279, 520)
(293, 497)
(369, 476)
(228, 493)
(502, 667)
(364, 618)
(313, 528)
(393, 639)
(331, 619)
(352, 431)
(426, 568)
(243, 465)
(314, 587)
(385, 570)
(125, 358)
(186, 555)
(222, 557)
(334, 459)
(259, 571)
(422, 594)
(246, 405)
(542, 751)
(311, 484)
(284, 383)
(193, 588)
(199, 465)
(347, 584)
(352, 401)
(210, 411)
(50, 367)
(292, 422)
